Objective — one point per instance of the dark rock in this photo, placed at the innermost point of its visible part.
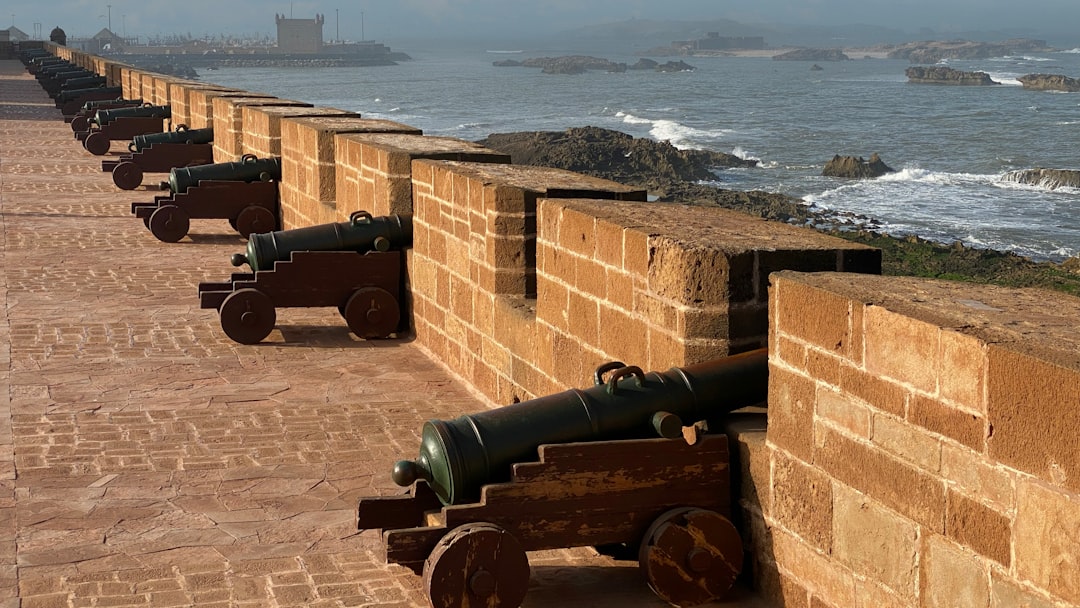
(943, 75)
(570, 64)
(933, 52)
(506, 63)
(816, 68)
(675, 66)
(1050, 82)
(812, 55)
(644, 64)
(1051, 179)
(857, 168)
(613, 155)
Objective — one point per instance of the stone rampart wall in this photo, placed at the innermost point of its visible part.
(921, 439)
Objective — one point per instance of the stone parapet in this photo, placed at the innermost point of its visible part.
(309, 165)
(200, 104)
(374, 170)
(262, 125)
(922, 444)
(229, 127)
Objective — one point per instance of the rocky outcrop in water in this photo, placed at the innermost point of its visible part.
(856, 168)
(1050, 82)
(579, 64)
(812, 55)
(612, 154)
(933, 52)
(942, 75)
(1051, 179)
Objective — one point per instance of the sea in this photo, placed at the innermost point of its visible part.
(951, 146)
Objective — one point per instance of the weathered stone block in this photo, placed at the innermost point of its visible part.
(1046, 539)
(873, 541)
(951, 577)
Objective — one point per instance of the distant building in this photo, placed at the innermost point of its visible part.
(13, 34)
(299, 36)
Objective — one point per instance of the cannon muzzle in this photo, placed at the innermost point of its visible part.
(362, 233)
(459, 456)
(182, 135)
(248, 169)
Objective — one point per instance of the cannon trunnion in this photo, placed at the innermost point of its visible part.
(666, 500)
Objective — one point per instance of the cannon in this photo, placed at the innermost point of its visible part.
(79, 82)
(80, 120)
(362, 233)
(356, 266)
(245, 193)
(577, 468)
(122, 124)
(248, 169)
(160, 153)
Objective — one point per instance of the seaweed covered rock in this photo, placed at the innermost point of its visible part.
(612, 155)
(942, 75)
(1050, 82)
(1051, 179)
(812, 55)
(856, 168)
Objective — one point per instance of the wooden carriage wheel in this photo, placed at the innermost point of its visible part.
(691, 556)
(169, 223)
(97, 144)
(372, 312)
(477, 564)
(127, 175)
(254, 220)
(247, 316)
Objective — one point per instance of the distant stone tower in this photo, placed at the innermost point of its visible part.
(58, 36)
(299, 35)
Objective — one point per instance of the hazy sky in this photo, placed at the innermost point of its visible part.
(387, 20)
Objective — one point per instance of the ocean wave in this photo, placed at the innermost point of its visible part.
(1005, 78)
(681, 136)
(940, 178)
(1022, 58)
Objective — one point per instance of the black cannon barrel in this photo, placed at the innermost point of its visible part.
(104, 117)
(67, 95)
(182, 135)
(50, 71)
(119, 102)
(457, 457)
(84, 82)
(362, 233)
(248, 169)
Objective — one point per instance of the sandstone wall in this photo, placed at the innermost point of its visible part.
(921, 445)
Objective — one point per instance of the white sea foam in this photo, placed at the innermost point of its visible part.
(1005, 78)
(681, 136)
(1071, 52)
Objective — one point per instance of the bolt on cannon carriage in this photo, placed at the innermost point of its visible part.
(161, 153)
(356, 266)
(243, 192)
(576, 469)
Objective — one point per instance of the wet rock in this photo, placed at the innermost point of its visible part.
(1051, 179)
(1050, 82)
(812, 55)
(943, 75)
(856, 168)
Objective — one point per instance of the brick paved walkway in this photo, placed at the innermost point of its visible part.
(147, 460)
